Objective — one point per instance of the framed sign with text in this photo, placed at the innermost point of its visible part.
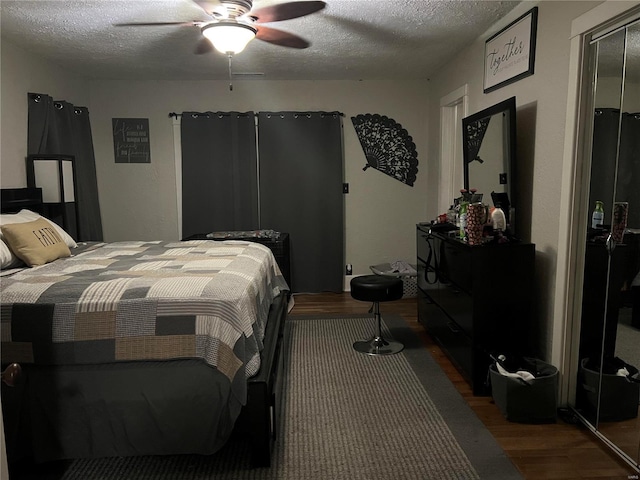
(131, 140)
(509, 55)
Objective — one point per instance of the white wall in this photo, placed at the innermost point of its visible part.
(541, 112)
(22, 73)
(139, 200)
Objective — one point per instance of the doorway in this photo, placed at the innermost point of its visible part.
(453, 108)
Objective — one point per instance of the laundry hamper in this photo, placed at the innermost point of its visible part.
(620, 396)
(522, 402)
(407, 272)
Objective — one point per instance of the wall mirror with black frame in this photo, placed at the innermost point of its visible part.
(489, 146)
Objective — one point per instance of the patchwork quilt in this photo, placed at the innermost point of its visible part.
(130, 301)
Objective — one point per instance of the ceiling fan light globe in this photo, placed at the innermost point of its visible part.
(229, 37)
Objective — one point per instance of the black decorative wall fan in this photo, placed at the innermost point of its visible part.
(387, 146)
(237, 19)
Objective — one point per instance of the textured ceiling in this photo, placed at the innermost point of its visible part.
(350, 39)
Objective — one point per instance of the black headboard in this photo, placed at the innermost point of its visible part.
(13, 200)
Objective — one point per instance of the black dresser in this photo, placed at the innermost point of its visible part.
(475, 301)
(279, 246)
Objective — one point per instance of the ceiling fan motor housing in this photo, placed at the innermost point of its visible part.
(233, 25)
(237, 8)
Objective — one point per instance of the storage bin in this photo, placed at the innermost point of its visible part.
(522, 402)
(620, 397)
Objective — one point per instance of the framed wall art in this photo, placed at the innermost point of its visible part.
(509, 55)
(131, 140)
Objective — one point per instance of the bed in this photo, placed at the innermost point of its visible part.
(142, 348)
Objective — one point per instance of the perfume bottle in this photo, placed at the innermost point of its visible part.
(597, 217)
(451, 215)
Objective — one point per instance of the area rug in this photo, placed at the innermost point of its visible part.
(346, 415)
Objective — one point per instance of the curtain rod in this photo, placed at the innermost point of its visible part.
(207, 114)
(57, 104)
(197, 114)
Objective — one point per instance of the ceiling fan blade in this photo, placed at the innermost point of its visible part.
(209, 6)
(278, 37)
(286, 11)
(156, 24)
(203, 46)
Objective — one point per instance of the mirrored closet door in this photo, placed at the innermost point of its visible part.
(607, 393)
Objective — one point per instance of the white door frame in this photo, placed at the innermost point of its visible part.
(453, 108)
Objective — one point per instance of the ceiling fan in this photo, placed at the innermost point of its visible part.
(234, 24)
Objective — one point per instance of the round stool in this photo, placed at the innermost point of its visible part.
(376, 289)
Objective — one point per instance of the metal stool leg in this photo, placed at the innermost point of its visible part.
(378, 345)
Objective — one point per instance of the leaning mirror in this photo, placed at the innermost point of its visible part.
(489, 140)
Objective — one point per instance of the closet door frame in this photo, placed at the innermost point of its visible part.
(575, 198)
(575, 190)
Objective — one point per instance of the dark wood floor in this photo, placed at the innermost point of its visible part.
(557, 451)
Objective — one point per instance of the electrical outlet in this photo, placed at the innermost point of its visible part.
(349, 269)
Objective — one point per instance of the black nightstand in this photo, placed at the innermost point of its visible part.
(279, 246)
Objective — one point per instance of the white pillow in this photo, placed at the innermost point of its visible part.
(28, 216)
(7, 258)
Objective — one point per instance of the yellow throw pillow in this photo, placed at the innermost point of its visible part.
(35, 243)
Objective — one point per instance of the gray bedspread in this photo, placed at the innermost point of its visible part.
(141, 301)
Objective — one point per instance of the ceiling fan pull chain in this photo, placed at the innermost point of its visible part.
(230, 74)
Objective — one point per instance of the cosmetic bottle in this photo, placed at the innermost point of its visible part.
(498, 219)
(451, 215)
(597, 217)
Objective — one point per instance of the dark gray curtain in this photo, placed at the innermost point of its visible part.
(628, 184)
(219, 172)
(608, 123)
(58, 127)
(606, 127)
(301, 177)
